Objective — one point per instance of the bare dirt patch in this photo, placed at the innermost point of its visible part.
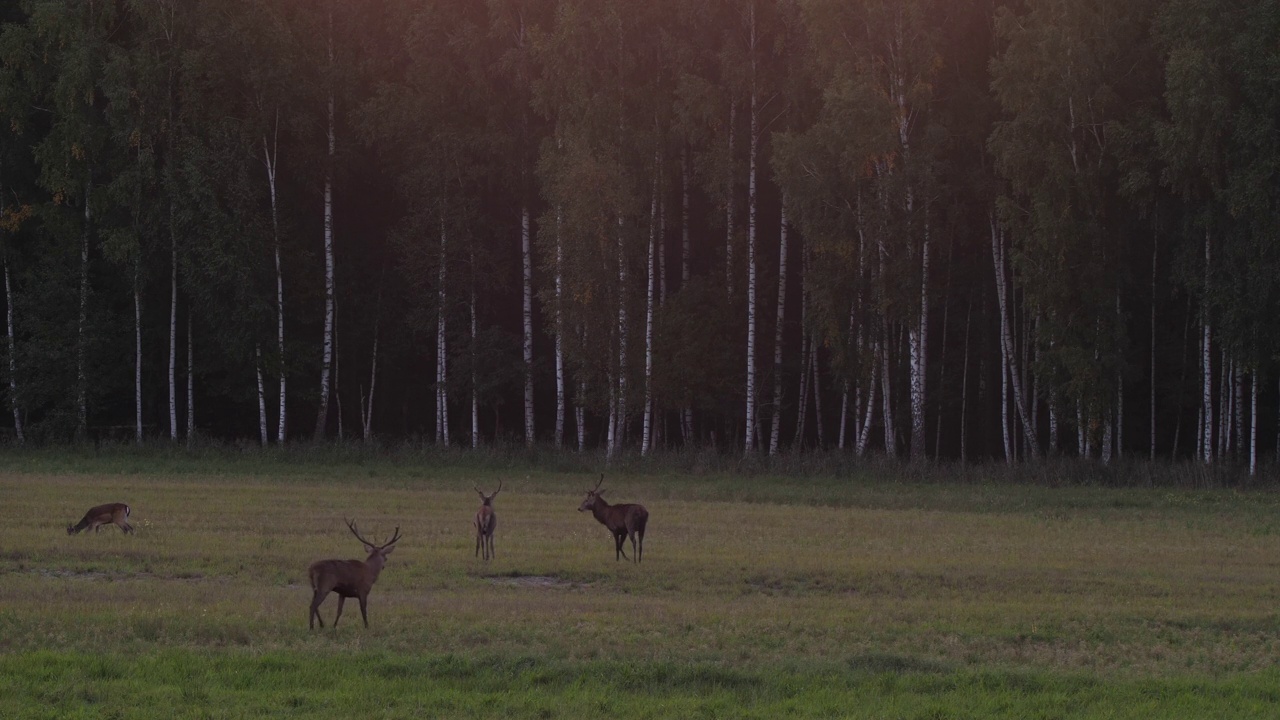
(537, 581)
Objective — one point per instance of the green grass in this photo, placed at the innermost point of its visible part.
(760, 595)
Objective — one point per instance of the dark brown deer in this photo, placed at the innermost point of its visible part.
(623, 520)
(348, 578)
(111, 513)
(486, 522)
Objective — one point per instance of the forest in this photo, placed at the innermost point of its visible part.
(927, 229)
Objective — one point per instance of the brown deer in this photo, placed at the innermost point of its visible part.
(111, 513)
(348, 578)
(486, 521)
(623, 520)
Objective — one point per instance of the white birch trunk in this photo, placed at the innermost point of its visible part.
(263, 436)
(82, 376)
(137, 356)
(1004, 404)
(1155, 247)
(475, 398)
(886, 384)
(749, 442)
(1237, 406)
(326, 366)
(173, 330)
(1082, 433)
(269, 154)
(526, 255)
(1206, 406)
(12, 336)
(560, 389)
(366, 404)
(686, 416)
(13, 350)
(729, 205)
(918, 339)
(864, 433)
(964, 388)
(618, 421)
(775, 431)
(647, 436)
(580, 415)
(442, 343)
(816, 368)
(1006, 339)
(1253, 424)
(191, 383)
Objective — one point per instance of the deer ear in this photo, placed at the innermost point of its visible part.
(387, 551)
(599, 493)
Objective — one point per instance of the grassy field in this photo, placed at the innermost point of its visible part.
(759, 596)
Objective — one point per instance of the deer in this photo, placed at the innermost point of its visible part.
(348, 578)
(623, 520)
(486, 521)
(111, 513)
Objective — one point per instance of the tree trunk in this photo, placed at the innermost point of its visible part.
(918, 339)
(964, 388)
(173, 327)
(775, 431)
(1253, 424)
(686, 416)
(1006, 340)
(366, 404)
(137, 358)
(1206, 406)
(322, 417)
(442, 343)
(729, 205)
(647, 436)
(618, 423)
(749, 441)
(82, 376)
(191, 383)
(886, 384)
(864, 433)
(1237, 405)
(816, 368)
(263, 436)
(1155, 247)
(269, 154)
(13, 350)
(526, 255)
(560, 389)
(475, 397)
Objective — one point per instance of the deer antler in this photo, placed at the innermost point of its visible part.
(597, 487)
(495, 492)
(352, 526)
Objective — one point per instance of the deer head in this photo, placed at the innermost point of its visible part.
(487, 500)
(594, 495)
(377, 553)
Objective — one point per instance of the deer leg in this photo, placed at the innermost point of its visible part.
(341, 600)
(315, 610)
(492, 553)
(620, 538)
(634, 550)
(364, 599)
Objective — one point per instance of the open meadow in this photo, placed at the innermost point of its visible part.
(758, 597)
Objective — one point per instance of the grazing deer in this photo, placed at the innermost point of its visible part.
(117, 513)
(348, 578)
(486, 521)
(623, 520)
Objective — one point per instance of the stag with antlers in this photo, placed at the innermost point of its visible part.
(623, 520)
(348, 578)
(486, 521)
